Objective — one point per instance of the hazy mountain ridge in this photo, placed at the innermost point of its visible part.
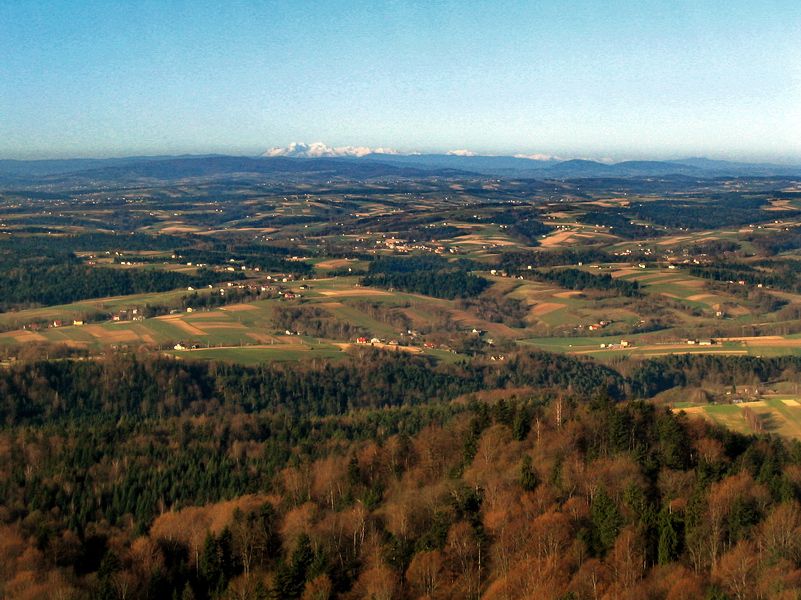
(214, 166)
(510, 166)
(55, 166)
(320, 161)
(541, 165)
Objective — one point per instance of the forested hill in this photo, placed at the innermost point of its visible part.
(126, 386)
(386, 476)
(65, 283)
(340, 482)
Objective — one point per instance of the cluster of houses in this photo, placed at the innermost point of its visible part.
(133, 314)
(404, 246)
(701, 342)
(500, 273)
(136, 314)
(365, 341)
(612, 346)
(483, 335)
(182, 346)
(599, 325)
(290, 295)
(55, 323)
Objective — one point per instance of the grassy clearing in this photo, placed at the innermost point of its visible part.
(254, 355)
(779, 415)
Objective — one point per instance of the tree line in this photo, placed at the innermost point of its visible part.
(430, 275)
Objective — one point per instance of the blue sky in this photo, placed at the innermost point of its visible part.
(620, 79)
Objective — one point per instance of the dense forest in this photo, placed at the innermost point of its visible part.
(386, 477)
(498, 309)
(576, 279)
(768, 273)
(722, 210)
(777, 242)
(316, 322)
(619, 224)
(61, 284)
(161, 387)
(429, 275)
(44, 270)
(517, 261)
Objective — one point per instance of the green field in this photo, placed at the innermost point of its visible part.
(250, 355)
(779, 415)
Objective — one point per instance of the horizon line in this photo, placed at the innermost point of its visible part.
(783, 160)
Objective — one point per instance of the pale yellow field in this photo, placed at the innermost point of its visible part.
(543, 308)
(354, 292)
(238, 307)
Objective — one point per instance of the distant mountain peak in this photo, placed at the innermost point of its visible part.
(321, 150)
(539, 156)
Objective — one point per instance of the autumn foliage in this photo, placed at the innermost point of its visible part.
(524, 495)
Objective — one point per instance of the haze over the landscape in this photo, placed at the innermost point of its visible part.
(614, 80)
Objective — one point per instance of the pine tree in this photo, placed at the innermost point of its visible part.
(606, 521)
(291, 576)
(528, 478)
(668, 548)
(521, 424)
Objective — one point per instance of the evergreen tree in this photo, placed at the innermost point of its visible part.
(606, 521)
(521, 424)
(291, 575)
(528, 478)
(668, 547)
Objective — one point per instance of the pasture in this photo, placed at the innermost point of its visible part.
(777, 415)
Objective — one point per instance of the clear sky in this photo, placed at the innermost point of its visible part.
(620, 79)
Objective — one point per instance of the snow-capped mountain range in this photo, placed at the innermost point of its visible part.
(365, 162)
(321, 150)
(534, 165)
